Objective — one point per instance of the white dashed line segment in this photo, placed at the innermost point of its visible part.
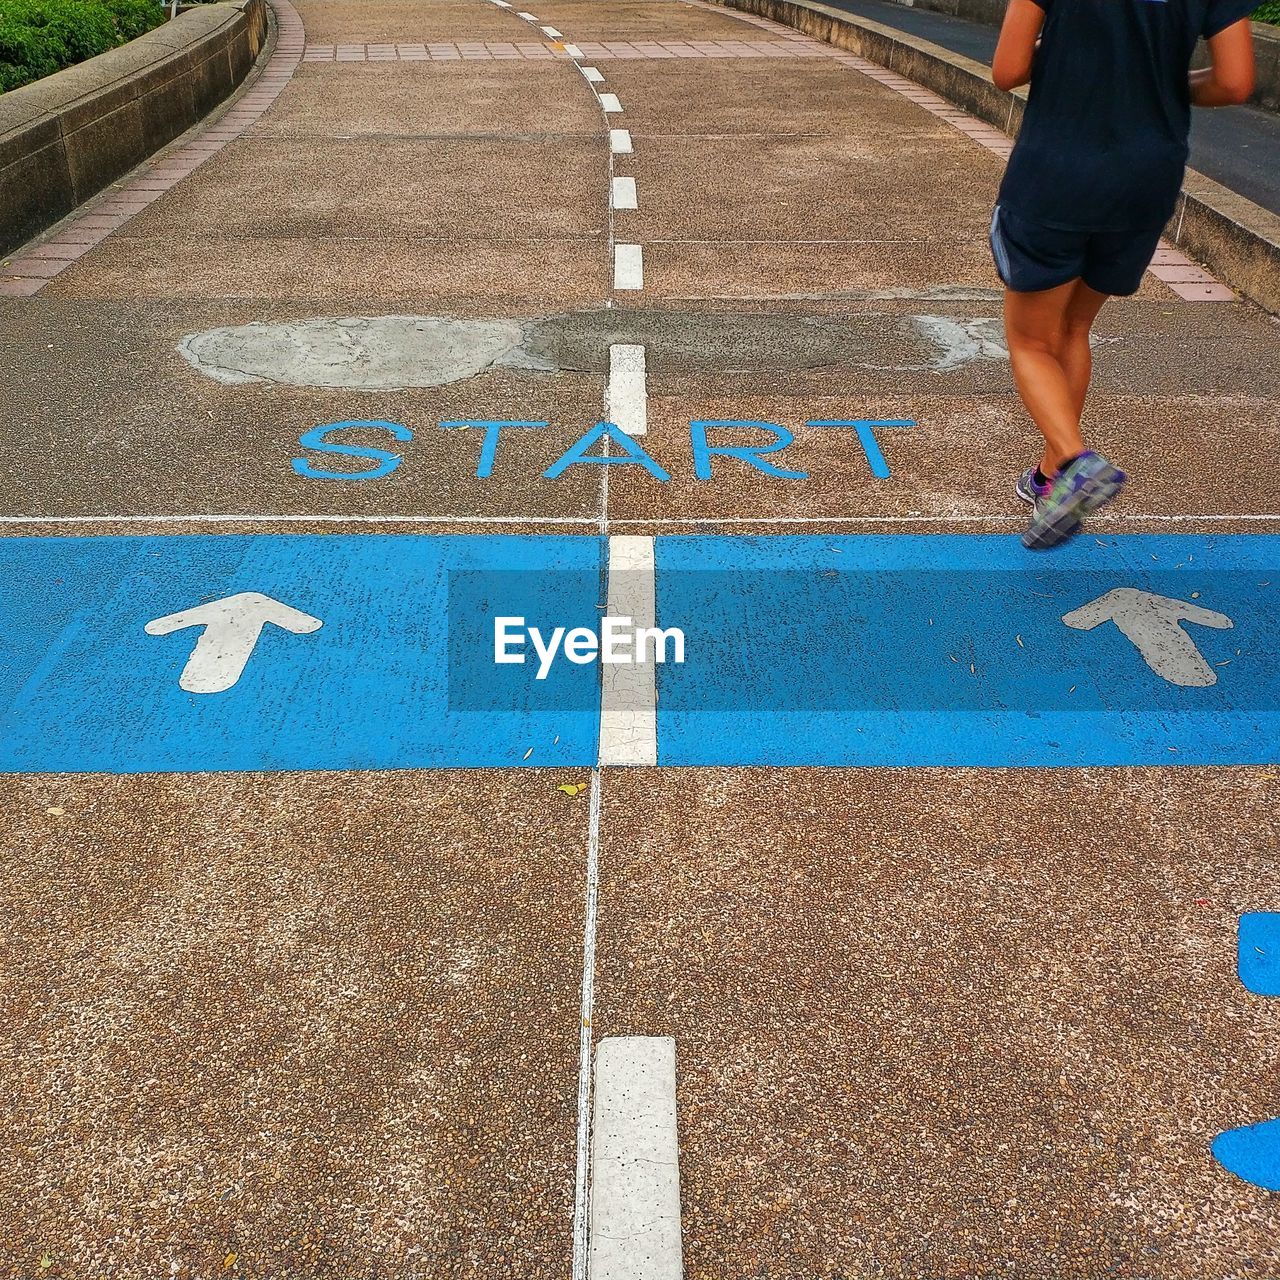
(573, 51)
(635, 1165)
(610, 103)
(551, 33)
(592, 74)
(586, 1016)
(629, 691)
(628, 266)
(624, 193)
(626, 400)
(620, 142)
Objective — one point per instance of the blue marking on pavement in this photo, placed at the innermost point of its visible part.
(492, 430)
(1259, 956)
(630, 453)
(876, 650)
(898, 650)
(318, 439)
(84, 688)
(753, 455)
(866, 431)
(1251, 1153)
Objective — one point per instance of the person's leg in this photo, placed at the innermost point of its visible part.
(1047, 369)
(1082, 481)
(1047, 327)
(1075, 352)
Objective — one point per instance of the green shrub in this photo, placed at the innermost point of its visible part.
(134, 17)
(39, 37)
(1268, 12)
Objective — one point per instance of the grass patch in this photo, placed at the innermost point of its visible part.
(39, 37)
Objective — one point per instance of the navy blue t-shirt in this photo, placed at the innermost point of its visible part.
(1103, 145)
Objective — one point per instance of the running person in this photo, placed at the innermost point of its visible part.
(1092, 181)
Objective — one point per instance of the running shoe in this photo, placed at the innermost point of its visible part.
(1026, 488)
(1083, 485)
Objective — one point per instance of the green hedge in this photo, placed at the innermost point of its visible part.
(1269, 12)
(39, 37)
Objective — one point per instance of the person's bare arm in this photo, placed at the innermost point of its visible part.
(1016, 49)
(1229, 80)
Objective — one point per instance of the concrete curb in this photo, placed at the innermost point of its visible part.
(64, 138)
(1236, 239)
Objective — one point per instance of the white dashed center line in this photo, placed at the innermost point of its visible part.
(620, 142)
(628, 266)
(626, 400)
(624, 193)
(629, 691)
(592, 74)
(635, 1166)
(610, 103)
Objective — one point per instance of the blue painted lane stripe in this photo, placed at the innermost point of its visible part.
(1252, 1153)
(84, 688)
(905, 650)
(1259, 959)
(894, 650)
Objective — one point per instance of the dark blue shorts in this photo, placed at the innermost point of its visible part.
(1031, 257)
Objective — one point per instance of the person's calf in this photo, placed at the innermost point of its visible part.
(1049, 399)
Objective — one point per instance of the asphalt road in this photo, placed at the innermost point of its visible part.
(314, 911)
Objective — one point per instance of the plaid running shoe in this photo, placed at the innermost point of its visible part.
(1026, 488)
(1083, 485)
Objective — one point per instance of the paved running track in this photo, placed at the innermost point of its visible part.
(308, 934)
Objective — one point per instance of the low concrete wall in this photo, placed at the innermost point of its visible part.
(69, 135)
(1236, 239)
(1266, 41)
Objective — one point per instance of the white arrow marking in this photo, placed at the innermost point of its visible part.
(1152, 623)
(231, 630)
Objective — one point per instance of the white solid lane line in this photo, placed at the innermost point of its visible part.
(610, 103)
(586, 1016)
(626, 400)
(629, 692)
(592, 74)
(624, 193)
(261, 518)
(628, 266)
(619, 141)
(635, 1161)
(1199, 517)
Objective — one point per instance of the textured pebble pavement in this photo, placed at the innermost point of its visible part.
(929, 1023)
